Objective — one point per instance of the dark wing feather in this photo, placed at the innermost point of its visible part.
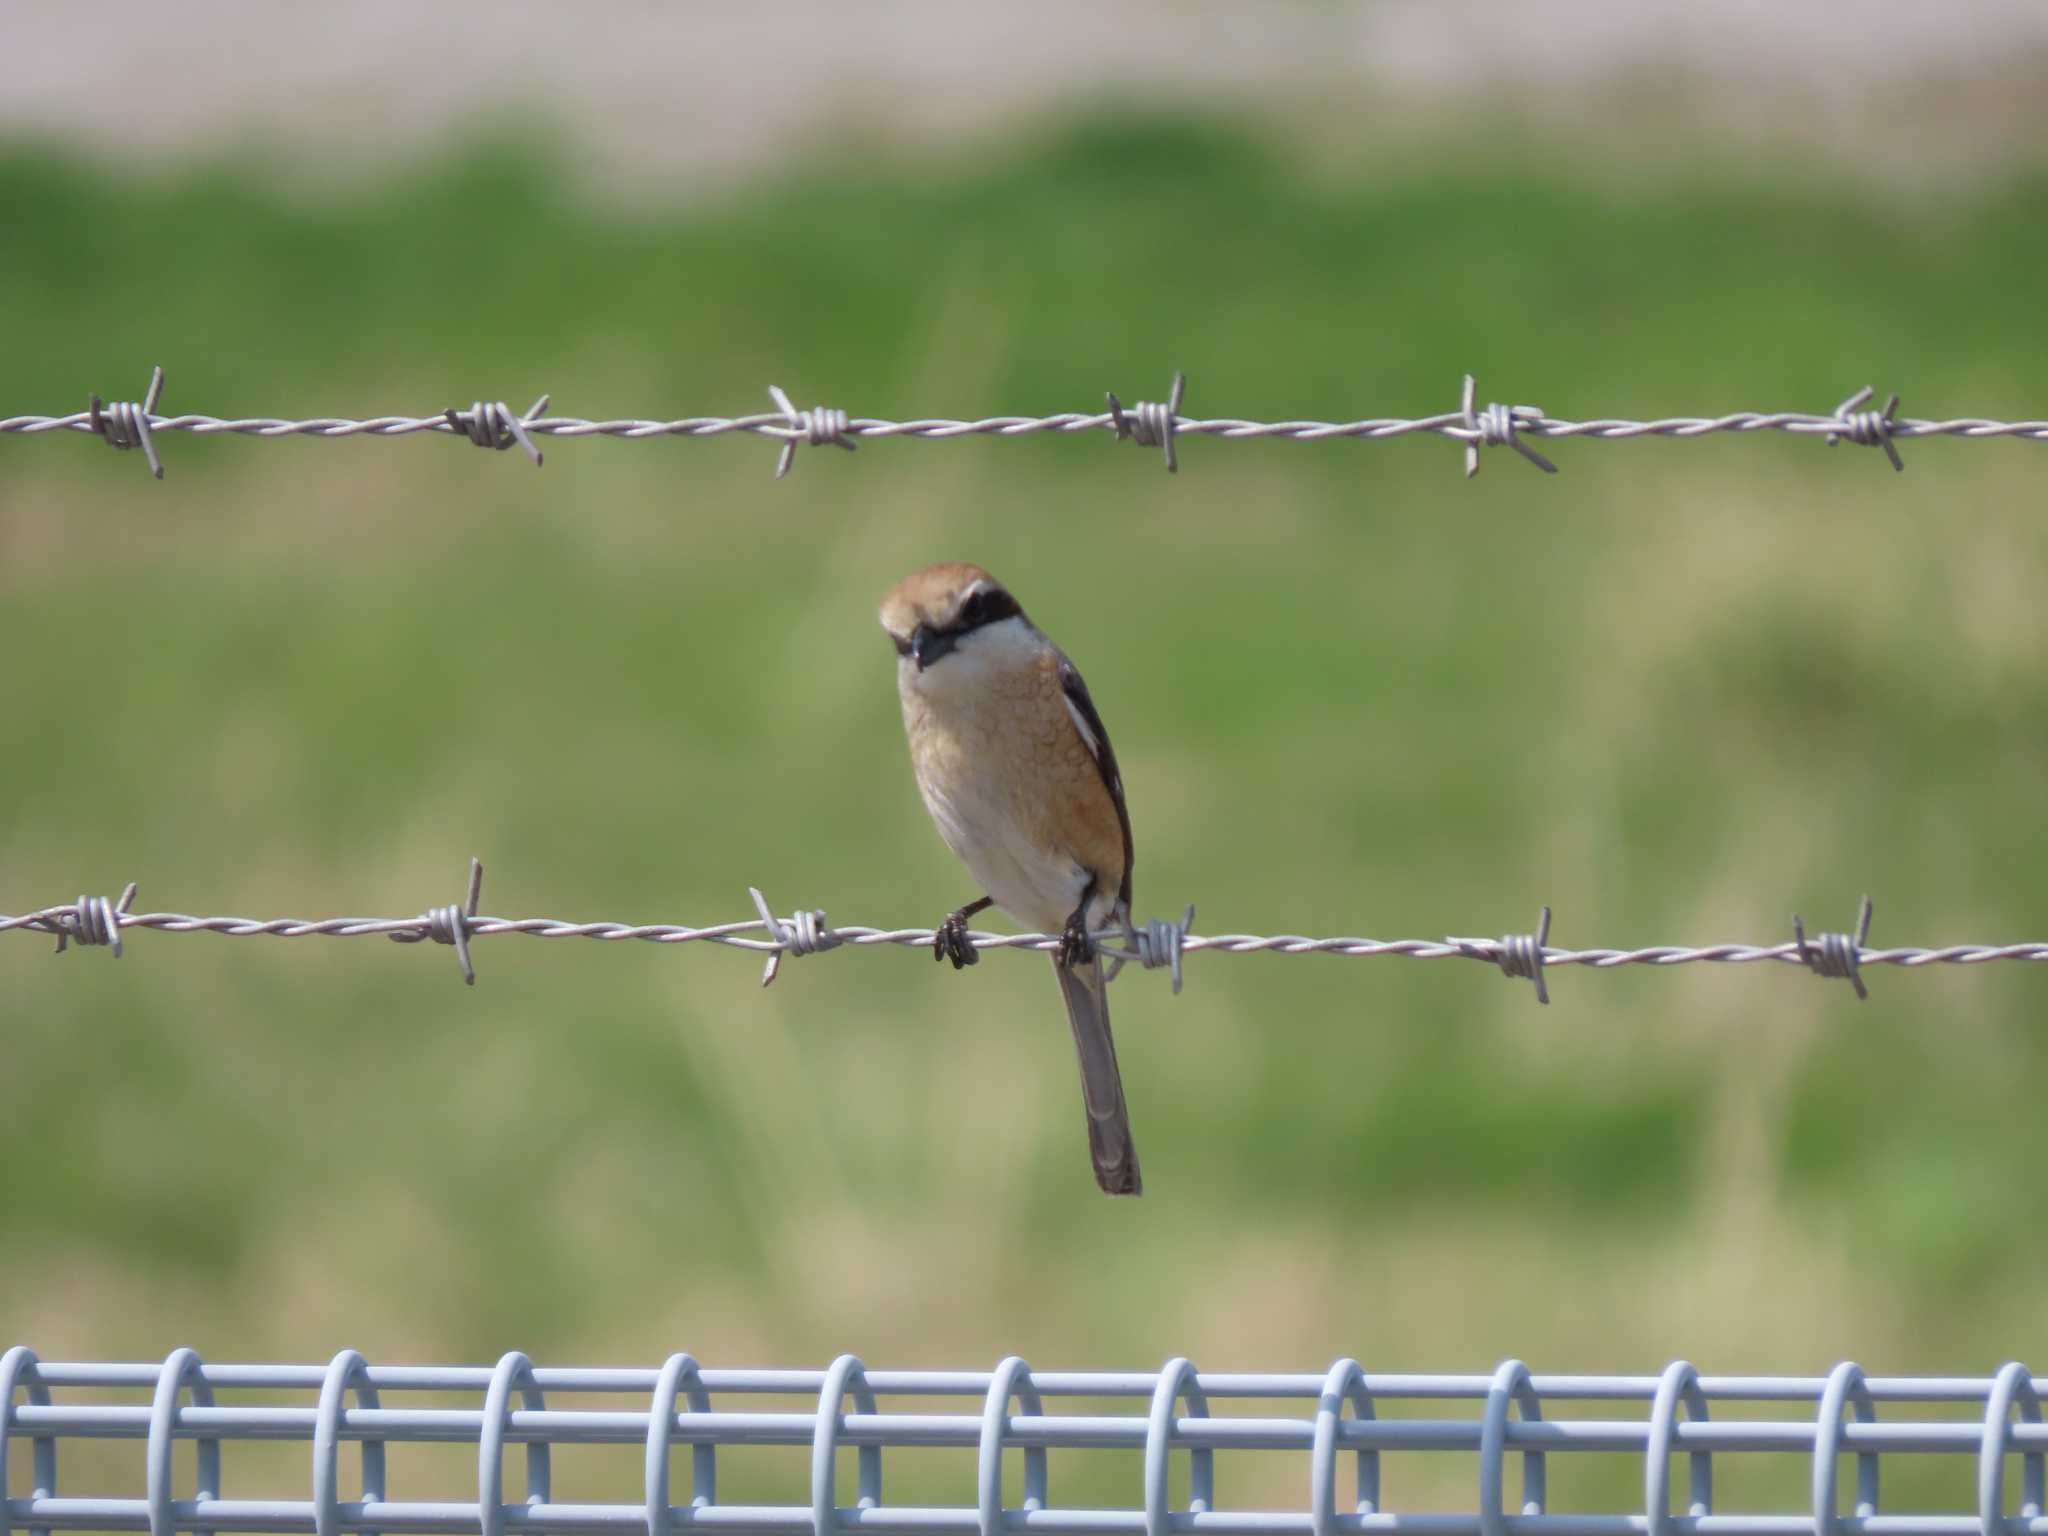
(1105, 760)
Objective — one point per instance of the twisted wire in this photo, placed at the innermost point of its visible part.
(1157, 944)
(1315, 1419)
(1148, 423)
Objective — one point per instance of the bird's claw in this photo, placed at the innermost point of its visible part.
(1076, 948)
(950, 942)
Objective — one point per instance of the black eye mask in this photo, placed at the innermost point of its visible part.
(987, 605)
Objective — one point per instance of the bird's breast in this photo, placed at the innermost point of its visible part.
(1007, 785)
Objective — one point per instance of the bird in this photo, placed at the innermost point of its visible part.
(1015, 767)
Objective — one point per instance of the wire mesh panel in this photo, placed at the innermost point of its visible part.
(1338, 1427)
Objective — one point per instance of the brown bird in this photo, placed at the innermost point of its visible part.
(1016, 769)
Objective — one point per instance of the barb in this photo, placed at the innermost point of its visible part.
(820, 425)
(491, 424)
(1873, 429)
(125, 424)
(1497, 426)
(803, 934)
(1150, 424)
(1520, 956)
(1157, 944)
(1836, 955)
(1316, 1421)
(451, 924)
(94, 920)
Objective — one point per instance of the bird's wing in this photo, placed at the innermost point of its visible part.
(1095, 736)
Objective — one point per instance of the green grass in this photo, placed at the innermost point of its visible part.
(1679, 691)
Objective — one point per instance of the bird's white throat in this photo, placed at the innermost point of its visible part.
(980, 657)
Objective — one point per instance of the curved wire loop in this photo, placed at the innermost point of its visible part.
(181, 1370)
(1344, 1384)
(1511, 1387)
(347, 1369)
(514, 1370)
(1177, 1379)
(1845, 1385)
(1012, 1378)
(18, 1369)
(679, 1375)
(846, 1375)
(2013, 1386)
(1680, 1383)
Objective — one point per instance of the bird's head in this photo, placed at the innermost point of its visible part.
(955, 617)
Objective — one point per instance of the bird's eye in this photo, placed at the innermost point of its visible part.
(974, 612)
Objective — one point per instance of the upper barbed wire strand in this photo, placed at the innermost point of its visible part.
(792, 428)
(775, 425)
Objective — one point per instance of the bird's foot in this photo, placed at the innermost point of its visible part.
(950, 942)
(1076, 948)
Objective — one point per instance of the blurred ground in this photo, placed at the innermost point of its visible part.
(650, 99)
(1679, 691)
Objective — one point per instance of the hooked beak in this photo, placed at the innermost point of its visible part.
(927, 645)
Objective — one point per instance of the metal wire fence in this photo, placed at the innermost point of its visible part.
(1342, 1426)
(101, 920)
(1150, 424)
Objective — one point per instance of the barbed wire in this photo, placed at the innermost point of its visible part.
(1150, 424)
(1159, 944)
(1325, 1417)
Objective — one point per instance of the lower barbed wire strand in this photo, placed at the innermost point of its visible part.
(751, 934)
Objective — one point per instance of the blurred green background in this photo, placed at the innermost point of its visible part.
(1678, 691)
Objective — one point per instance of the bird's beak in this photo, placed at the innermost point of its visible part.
(927, 645)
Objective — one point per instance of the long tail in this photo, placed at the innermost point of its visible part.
(1102, 1085)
